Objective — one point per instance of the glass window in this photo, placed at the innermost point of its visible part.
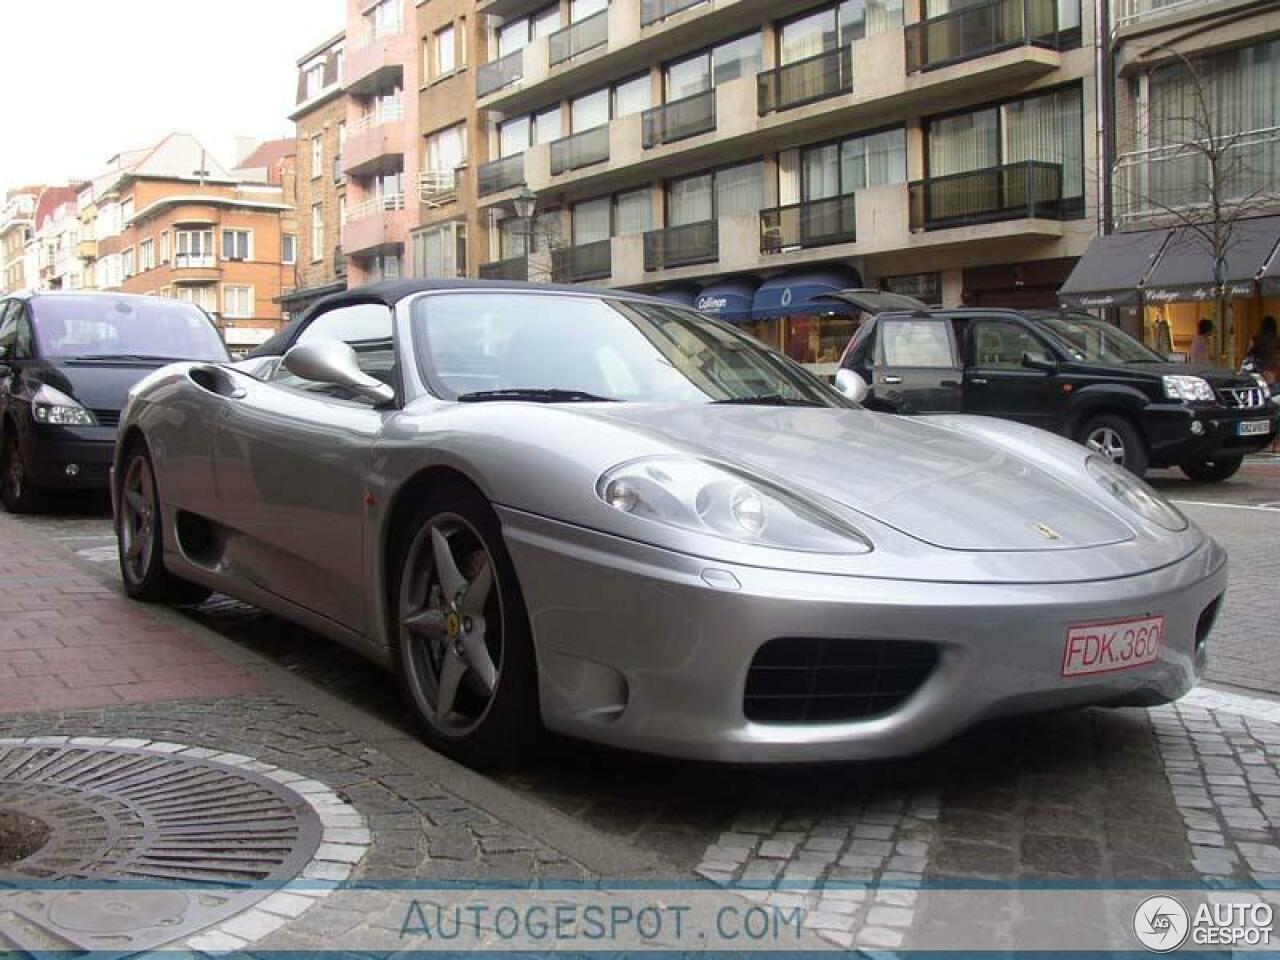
(237, 301)
(288, 249)
(632, 96)
(591, 221)
(967, 141)
(633, 212)
(739, 189)
(589, 111)
(317, 232)
(1000, 343)
(914, 343)
(446, 51)
(684, 78)
(447, 149)
(689, 200)
(237, 245)
(737, 58)
(513, 36)
(513, 238)
(545, 21)
(1050, 128)
(808, 36)
(546, 125)
(581, 9)
(513, 137)
(865, 18)
(821, 172)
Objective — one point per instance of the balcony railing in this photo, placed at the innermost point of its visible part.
(828, 74)
(1149, 183)
(499, 73)
(680, 119)
(194, 261)
(513, 268)
(499, 175)
(578, 38)
(374, 206)
(977, 31)
(651, 11)
(682, 246)
(816, 223)
(580, 150)
(1028, 189)
(1131, 11)
(587, 261)
(368, 35)
(388, 112)
(438, 187)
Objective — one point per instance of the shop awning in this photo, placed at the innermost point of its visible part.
(1270, 279)
(683, 296)
(1111, 272)
(794, 293)
(1184, 272)
(729, 300)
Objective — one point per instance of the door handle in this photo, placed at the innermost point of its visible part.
(239, 393)
(978, 381)
(890, 378)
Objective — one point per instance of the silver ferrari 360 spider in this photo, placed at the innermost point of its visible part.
(610, 516)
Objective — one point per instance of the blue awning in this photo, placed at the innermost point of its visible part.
(684, 296)
(793, 293)
(730, 300)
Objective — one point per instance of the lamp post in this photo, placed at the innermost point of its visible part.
(525, 202)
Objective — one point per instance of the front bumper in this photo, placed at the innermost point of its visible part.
(649, 650)
(53, 449)
(1179, 433)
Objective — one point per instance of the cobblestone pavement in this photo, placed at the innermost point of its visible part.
(1169, 795)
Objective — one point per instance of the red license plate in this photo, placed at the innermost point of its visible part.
(1117, 645)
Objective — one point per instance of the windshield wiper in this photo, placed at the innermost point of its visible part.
(766, 400)
(534, 395)
(126, 357)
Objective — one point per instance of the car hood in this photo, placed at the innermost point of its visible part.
(1219, 379)
(99, 385)
(935, 484)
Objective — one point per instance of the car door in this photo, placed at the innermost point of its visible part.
(917, 369)
(291, 461)
(996, 381)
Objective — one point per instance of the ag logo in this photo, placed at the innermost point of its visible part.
(1161, 924)
(786, 297)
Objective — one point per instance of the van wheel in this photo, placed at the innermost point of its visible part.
(1117, 439)
(15, 489)
(1212, 471)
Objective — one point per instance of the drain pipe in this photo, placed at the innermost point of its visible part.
(1105, 108)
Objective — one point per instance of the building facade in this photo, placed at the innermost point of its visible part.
(56, 240)
(17, 229)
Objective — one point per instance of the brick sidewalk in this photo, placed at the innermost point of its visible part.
(68, 641)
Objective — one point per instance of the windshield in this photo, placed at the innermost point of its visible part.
(1087, 339)
(103, 326)
(582, 347)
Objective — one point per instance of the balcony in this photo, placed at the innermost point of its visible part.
(87, 250)
(828, 74)
(1129, 12)
(513, 268)
(499, 73)
(376, 143)
(436, 188)
(375, 59)
(195, 268)
(653, 11)
(682, 246)
(816, 223)
(972, 32)
(680, 119)
(578, 38)
(580, 150)
(1150, 183)
(1031, 189)
(498, 176)
(375, 224)
(587, 261)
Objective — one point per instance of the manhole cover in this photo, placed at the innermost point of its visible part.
(144, 846)
(20, 836)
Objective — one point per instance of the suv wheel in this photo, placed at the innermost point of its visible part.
(1212, 471)
(1117, 439)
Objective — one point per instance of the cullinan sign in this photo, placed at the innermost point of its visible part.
(710, 304)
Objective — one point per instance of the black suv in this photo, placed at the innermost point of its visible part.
(1066, 372)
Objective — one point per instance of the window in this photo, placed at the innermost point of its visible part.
(1000, 343)
(709, 196)
(317, 156)
(237, 245)
(384, 19)
(164, 247)
(317, 232)
(513, 137)
(838, 169)
(446, 49)
(632, 212)
(592, 221)
(914, 343)
(237, 302)
(581, 9)
(441, 252)
(126, 210)
(313, 80)
(288, 249)
(546, 125)
(204, 295)
(589, 111)
(632, 96)
(447, 149)
(127, 263)
(516, 34)
(147, 255)
(821, 31)
(367, 328)
(709, 68)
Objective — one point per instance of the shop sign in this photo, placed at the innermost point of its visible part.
(711, 304)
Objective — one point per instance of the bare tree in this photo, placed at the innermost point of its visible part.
(1199, 171)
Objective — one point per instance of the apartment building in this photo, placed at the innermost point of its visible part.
(320, 184)
(1195, 86)
(56, 239)
(171, 221)
(746, 156)
(16, 230)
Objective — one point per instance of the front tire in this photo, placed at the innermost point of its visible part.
(1118, 440)
(1212, 471)
(463, 646)
(15, 489)
(140, 541)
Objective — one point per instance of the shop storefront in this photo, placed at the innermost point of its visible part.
(788, 312)
(1032, 285)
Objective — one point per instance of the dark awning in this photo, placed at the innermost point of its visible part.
(1111, 272)
(683, 296)
(1270, 279)
(729, 300)
(1184, 272)
(794, 293)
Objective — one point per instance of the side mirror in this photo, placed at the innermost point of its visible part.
(1038, 361)
(332, 361)
(852, 385)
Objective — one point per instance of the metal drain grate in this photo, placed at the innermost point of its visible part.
(187, 840)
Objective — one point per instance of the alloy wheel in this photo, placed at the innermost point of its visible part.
(14, 471)
(451, 625)
(1108, 443)
(138, 518)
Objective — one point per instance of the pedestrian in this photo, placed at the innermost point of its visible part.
(1202, 345)
(1262, 351)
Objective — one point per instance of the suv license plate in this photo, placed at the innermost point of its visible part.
(1255, 428)
(1117, 645)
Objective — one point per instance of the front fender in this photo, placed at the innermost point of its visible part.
(1089, 400)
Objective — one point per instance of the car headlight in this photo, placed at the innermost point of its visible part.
(1182, 387)
(1136, 495)
(712, 498)
(53, 406)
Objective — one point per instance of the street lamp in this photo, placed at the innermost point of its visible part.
(525, 202)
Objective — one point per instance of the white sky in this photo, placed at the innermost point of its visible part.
(82, 80)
